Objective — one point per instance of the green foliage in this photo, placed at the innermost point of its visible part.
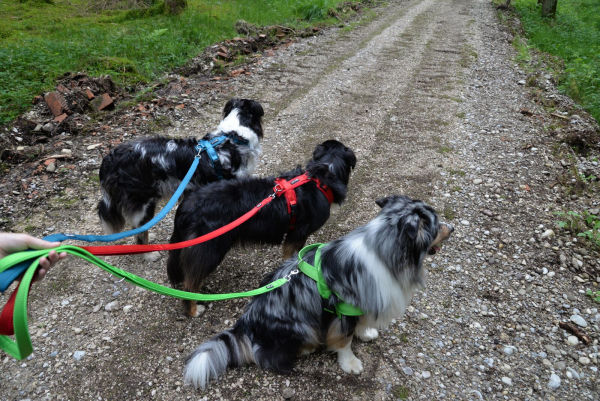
(595, 295)
(574, 36)
(41, 40)
(584, 225)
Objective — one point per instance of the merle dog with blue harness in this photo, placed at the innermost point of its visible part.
(138, 174)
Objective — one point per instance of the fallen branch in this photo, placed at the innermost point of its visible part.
(574, 330)
(58, 157)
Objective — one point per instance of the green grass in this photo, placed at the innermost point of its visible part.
(42, 39)
(574, 36)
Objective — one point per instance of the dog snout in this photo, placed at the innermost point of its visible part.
(450, 228)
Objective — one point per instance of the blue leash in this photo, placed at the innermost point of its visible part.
(8, 276)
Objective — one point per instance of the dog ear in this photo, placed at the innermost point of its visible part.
(228, 107)
(381, 202)
(410, 225)
(256, 109)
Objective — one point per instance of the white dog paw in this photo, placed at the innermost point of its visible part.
(369, 334)
(200, 309)
(351, 364)
(151, 257)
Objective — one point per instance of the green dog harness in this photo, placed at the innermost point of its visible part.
(315, 273)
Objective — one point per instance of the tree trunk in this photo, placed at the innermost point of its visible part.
(549, 8)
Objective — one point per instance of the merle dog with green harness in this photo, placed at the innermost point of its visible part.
(350, 287)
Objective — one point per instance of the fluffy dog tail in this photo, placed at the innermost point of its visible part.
(230, 348)
(111, 218)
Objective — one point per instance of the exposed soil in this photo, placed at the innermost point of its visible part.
(429, 96)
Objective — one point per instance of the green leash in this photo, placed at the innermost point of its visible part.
(21, 347)
(315, 273)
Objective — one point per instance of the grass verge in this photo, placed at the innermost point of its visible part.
(574, 36)
(40, 40)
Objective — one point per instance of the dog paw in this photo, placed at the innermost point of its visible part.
(351, 364)
(369, 334)
(152, 257)
(200, 309)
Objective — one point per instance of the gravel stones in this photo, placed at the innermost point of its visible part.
(111, 306)
(578, 320)
(554, 382)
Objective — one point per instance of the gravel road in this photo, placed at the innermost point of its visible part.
(429, 96)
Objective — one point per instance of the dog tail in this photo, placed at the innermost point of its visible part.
(111, 218)
(230, 348)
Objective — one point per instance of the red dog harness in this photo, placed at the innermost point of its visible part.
(287, 187)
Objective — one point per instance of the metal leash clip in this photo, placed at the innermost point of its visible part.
(290, 274)
(276, 189)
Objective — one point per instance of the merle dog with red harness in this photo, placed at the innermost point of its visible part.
(294, 214)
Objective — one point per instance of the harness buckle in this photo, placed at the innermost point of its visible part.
(199, 149)
(290, 274)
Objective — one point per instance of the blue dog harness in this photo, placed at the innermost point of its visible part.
(208, 146)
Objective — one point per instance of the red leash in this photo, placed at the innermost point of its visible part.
(282, 187)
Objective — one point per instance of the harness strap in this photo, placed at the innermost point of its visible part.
(287, 187)
(315, 273)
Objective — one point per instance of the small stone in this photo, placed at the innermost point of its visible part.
(521, 82)
(65, 302)
(66, 151)
(426, 374)
(407, 371)
(560, 366)
(111, 306)
(507, 381)
(94, 146)
(477, 181)
(287, 392)
(509, 350)
(594, 211)
(554, 382)
(584, 360)
(116, 293)
(579, 321)
(38, 128)
(20, 148)
(78, 355)
(573, 373)
(127, 308)
(464, 222)
(51, 168)
(572, 340)
(96, 308)
(77, 330)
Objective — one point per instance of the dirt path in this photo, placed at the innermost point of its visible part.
(427, 94)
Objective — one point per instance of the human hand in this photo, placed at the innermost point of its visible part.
(11, 243)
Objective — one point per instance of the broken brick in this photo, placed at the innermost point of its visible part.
(56, 102)
(62, 88)
(49, 161)
(61, 118)
(224, 55)
(89, 94)
(180, 106)
(224, 49)
(235, 73)
(101, 102)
